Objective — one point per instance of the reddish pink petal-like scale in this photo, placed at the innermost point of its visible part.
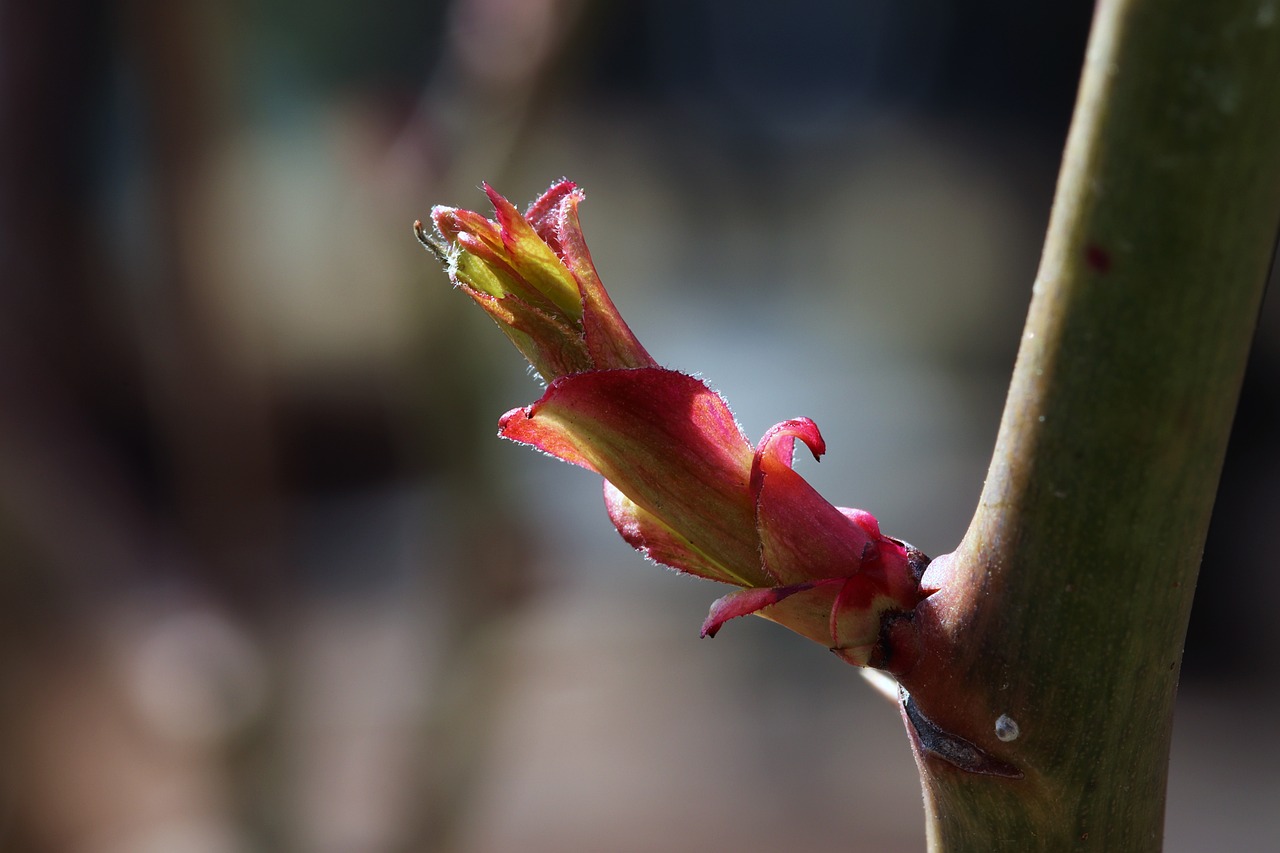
(609, 339)
(854, 619)
(519, 425)
(897, 579)
(544, 213)
(513, 228)
(863, 519)
(780, 441)
(744, 602)
(446, 221)
(892, 565)
(524, 249)
(497, 261)
(545, 341)
(650, 536)
(535, 261)
(819, 610)
(667, 442)
(801, 535)
(452, 221)
(819, 615)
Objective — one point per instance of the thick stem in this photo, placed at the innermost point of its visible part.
(1065, 607)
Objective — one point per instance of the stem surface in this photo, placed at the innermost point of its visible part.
(1065, 607)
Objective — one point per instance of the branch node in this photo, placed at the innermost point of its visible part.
(929, 739)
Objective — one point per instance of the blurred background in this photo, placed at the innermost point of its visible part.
(268, 582)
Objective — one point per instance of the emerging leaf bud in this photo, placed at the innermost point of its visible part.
(682, 483)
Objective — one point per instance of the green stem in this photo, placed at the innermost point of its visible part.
(1065, 607)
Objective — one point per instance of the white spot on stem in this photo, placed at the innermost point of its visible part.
(1006, 728)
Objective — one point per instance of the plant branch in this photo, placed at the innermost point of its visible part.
(1063, 611)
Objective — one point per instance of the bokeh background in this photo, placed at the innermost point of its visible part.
(267, 580)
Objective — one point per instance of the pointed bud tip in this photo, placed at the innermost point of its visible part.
(517, 414)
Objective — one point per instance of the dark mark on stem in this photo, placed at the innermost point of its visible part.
(952, 749)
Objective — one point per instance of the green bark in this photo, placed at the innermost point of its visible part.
(1066, 605)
